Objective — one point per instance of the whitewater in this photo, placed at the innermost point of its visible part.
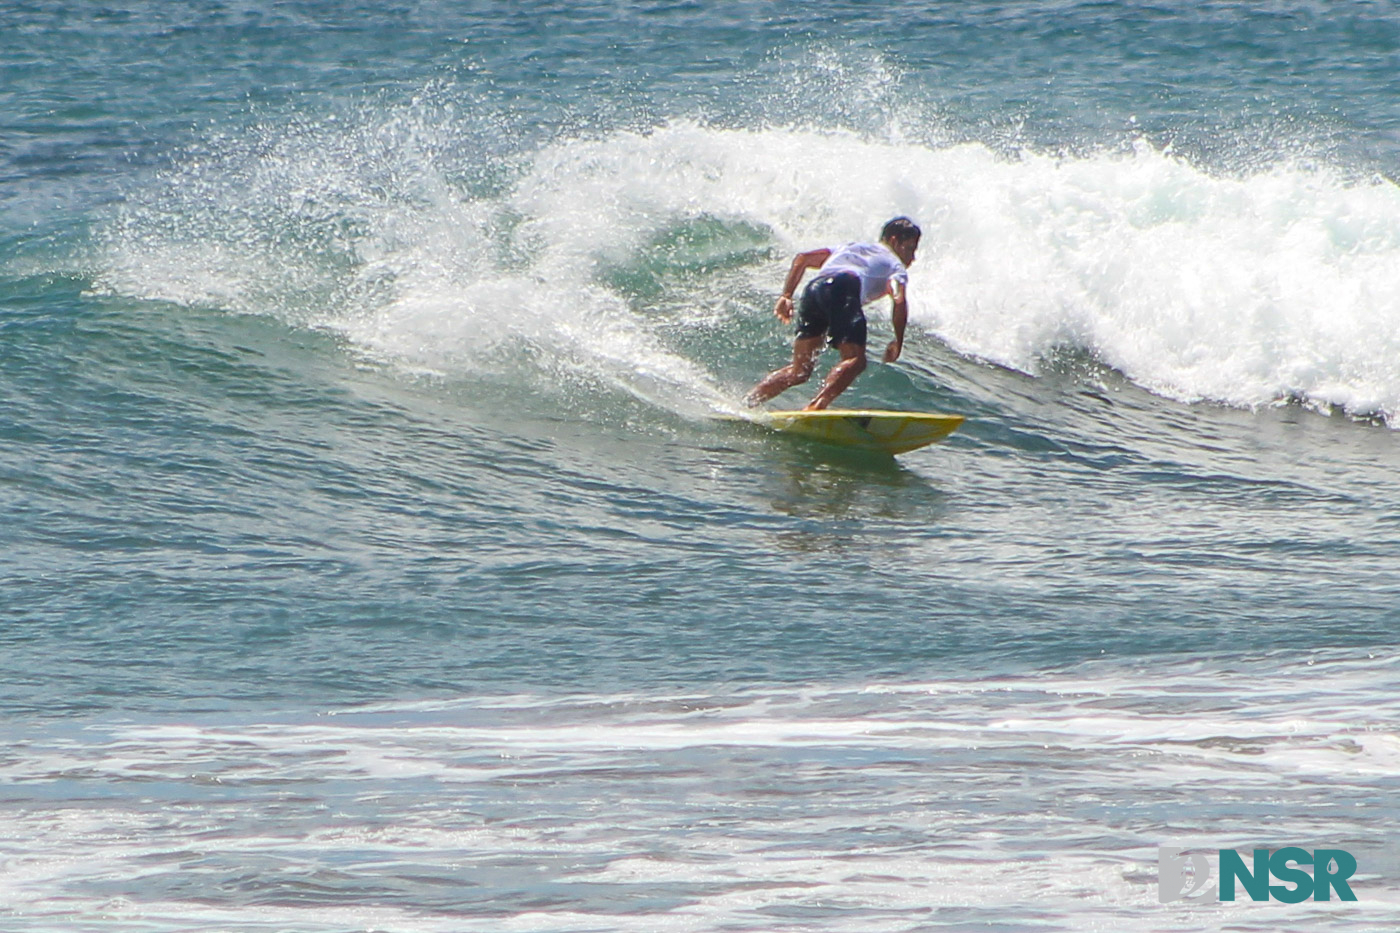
(1251, 290)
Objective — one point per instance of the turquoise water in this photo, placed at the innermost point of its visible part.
(373, 559)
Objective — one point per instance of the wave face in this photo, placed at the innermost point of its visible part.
(1243, 289)
(402, 229)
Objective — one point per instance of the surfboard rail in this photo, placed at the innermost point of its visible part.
(890, 432)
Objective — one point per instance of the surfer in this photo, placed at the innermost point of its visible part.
(849, 276)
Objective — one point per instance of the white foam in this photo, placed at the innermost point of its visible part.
(886, 800)
(1239, 289)
(1244, 289)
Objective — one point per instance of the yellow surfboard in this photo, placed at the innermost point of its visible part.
(891, 432)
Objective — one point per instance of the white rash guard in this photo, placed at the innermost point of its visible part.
(873, 262)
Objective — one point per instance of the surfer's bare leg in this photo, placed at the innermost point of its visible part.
(841, 376)
(805, 351)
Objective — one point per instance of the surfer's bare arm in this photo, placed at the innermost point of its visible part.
(900, 315)
(812, 259)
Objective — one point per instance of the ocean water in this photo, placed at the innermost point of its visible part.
(372, 559)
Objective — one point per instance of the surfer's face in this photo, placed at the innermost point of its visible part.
(904, 249)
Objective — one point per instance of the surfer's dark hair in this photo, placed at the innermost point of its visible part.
(900, 229)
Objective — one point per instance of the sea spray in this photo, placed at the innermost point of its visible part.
(1241, 289)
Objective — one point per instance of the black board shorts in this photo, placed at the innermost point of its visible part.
(831, 305)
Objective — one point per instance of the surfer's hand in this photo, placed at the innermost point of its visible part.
(783, 309)
(892, 351)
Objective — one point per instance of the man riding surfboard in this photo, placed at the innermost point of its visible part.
(849, 277)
